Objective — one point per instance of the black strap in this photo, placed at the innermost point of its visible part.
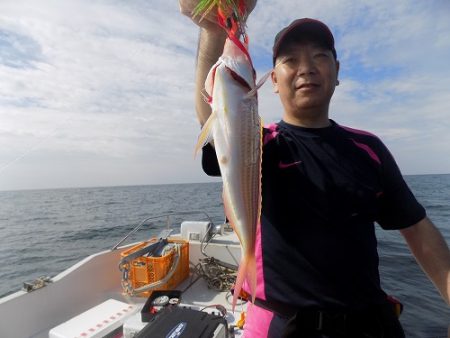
(314, 320)
(280, 308)
(377, 321)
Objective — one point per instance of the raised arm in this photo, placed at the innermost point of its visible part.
(210, 47)
(431, 252)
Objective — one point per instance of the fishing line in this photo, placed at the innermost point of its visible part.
(34, 147)
(137, 50)
(134, 51)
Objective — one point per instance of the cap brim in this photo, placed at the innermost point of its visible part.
(308, 28)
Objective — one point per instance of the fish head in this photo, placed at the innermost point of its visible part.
(237, 59)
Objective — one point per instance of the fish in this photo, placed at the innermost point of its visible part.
(235, 129)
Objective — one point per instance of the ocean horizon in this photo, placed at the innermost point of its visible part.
(156, 184)
(45, 231)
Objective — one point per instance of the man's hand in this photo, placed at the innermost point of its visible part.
(209, 22)
(211, 41)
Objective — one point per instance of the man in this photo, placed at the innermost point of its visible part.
(323, 187)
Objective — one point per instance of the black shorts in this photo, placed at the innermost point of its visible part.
(379, 322)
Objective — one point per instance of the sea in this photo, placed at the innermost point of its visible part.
(43, 232)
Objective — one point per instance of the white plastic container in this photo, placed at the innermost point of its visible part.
(96, 322)
(133, 325)
(195, 231)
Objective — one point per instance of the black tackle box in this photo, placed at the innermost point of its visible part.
(181, 322)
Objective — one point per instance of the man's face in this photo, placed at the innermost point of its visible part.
(305, 77)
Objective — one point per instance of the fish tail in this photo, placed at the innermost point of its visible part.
(247, 268)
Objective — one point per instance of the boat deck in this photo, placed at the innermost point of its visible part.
(196, 295)
(96, 279)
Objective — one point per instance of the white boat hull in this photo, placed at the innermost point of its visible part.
(95, 280)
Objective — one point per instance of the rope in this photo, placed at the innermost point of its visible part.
(217, 276)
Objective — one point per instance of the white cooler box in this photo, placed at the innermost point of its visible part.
(99, 321)
(133, 326)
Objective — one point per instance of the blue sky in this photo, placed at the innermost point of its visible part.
(100, 93)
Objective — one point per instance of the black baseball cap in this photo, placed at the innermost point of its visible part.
(306, 27)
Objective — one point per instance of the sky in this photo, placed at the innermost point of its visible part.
(101, 92)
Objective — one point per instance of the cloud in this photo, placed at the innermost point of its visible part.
(110, 84)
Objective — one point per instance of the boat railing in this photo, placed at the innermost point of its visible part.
(169, 216)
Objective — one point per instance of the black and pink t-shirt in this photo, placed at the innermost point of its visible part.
(322, 191)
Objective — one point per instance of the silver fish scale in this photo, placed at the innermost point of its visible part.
(251, 123)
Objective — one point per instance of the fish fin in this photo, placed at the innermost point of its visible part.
(206, 97)
(247, 269)
(206, 134)
(229, 212)
(209, 82)
(259, 84)
(263, 79)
